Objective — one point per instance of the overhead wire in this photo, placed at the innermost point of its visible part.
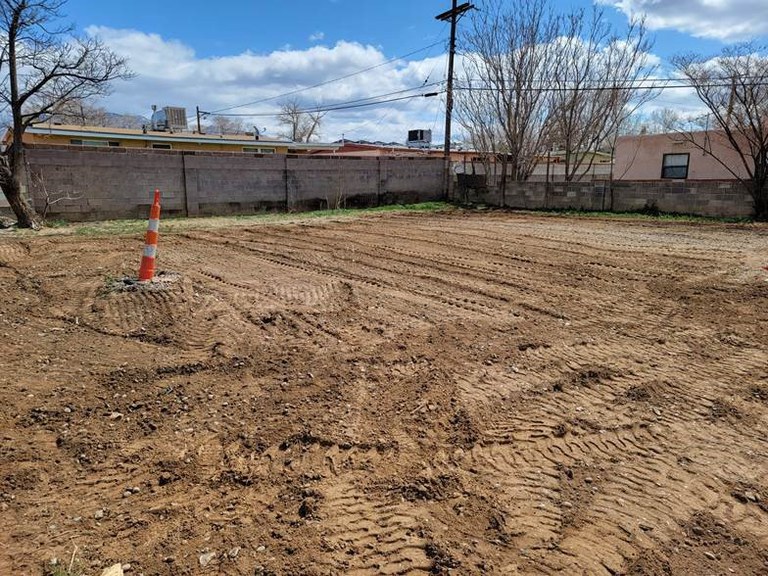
(641, 85)
(387, 113)
(326, 82)
(358, 103)
(442, 99)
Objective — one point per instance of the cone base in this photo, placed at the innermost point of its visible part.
(147, 269)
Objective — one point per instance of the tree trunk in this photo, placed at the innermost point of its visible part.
(503, 180)
(12, 163)
(760, 198)
(10, 181)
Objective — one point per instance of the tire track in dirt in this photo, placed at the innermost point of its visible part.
(315, 458)
(602, 385)
(542, 289)
(13, 252)
(368, 536)
(486, 285)
(538, 309)
(294, 292)
(536, 285)
(625, 499)
(487, 281)
(615, 502)
(417, 289)
(129, 312)
(515, 237)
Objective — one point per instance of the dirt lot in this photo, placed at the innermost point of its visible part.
(396, 393)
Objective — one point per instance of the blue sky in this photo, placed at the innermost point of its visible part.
(216, 56)
(235, 26)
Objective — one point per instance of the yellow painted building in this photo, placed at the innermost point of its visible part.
(97, 136)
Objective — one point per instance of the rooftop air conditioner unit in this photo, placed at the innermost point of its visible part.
(169, 119)
(419, 139)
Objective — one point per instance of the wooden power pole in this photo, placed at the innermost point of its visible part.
(451, 15)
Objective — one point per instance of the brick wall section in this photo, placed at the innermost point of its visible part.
(701, 197)
(118, 183)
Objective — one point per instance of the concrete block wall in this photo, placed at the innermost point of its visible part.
(105, 183)
(101, 183)
(409, 180)
(332, 182)
(233, 184)
(703, 197)
(725, 198)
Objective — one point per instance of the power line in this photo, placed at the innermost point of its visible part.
(606, 87)
(326, 82)
(427, 95)
(360, 102)
(386, 114)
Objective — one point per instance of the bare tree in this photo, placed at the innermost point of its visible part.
(476, 115)
(550, 79)
(664, 120)
(51, 197)
(299, 125)
(734, 88)
(42, 67)
(507, 56)
(86, 113)
(81, 113)
(596, 85)
(659, 121)
(224, 125)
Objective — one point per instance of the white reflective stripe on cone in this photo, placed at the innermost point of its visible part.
(150, 251)
(154, 225)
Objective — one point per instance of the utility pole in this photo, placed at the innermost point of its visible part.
(451, 15)
(197, 109)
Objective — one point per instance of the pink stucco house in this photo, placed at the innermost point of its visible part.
(671, 157)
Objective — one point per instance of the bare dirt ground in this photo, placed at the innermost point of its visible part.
(401, 393)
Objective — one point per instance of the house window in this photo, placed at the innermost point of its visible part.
(675, 166)
(258, 150)
(161, 146)
(100, 143)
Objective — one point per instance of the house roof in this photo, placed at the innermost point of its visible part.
(677, 135)
(365, 148)
(75, 131)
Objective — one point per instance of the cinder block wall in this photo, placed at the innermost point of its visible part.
(700, 197)
(90, 183)
(726, 198)
(82, 183)
(99, 183)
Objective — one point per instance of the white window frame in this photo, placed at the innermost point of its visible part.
(671, 157)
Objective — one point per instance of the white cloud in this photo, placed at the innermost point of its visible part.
(168, 72)
(726, 20)
(317, 36)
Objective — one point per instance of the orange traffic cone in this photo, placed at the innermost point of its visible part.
(147, 269)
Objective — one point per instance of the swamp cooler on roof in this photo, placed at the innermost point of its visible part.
(169, 119)
(419, 139)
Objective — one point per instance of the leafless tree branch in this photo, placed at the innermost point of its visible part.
(45, 69)
(734, 88)
(299, 125)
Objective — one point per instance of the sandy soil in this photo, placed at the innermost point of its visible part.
(399, 393)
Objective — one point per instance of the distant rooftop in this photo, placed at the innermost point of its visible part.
(246, 139)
